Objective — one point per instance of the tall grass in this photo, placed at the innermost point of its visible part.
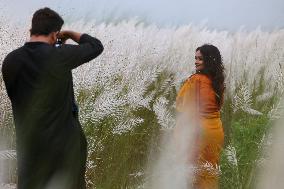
(127, 96)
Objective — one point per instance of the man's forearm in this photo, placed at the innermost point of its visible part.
(75, 36)
(68, 34)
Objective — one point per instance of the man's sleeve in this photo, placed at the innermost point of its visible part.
(10, 70)
(72, 56)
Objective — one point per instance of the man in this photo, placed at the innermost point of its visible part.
(51, 146)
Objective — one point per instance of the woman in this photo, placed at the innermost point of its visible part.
(200, 99)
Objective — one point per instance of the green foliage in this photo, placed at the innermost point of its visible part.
(120, 159)
(247, 138)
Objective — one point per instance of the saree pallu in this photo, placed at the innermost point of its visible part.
(196, 99)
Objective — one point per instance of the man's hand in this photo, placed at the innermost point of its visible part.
(67, 34)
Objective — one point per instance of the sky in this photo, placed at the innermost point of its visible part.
(215, 14)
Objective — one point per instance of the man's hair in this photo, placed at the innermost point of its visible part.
(45, 21)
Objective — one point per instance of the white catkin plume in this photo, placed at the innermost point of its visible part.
(92, 144)
(231, 155)
(164, 117)
(7, 186)
(127, 125)
(211, 168)
(264, 97)
(265, 145)
(107, 103)
(275, 112)
(137, 174)
(252, 111)
(7, 154)
(242, 101)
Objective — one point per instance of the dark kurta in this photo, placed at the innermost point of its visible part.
(51, 146)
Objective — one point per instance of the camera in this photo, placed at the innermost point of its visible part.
(58, 43)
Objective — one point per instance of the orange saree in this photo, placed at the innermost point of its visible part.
(196, 99)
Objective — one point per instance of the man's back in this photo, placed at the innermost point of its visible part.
(39, 83)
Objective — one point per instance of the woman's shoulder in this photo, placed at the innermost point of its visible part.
(198, 77)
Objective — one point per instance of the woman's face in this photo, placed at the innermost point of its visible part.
(199, 63)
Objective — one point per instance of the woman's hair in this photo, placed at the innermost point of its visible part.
(45, 21)
(213, 67)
